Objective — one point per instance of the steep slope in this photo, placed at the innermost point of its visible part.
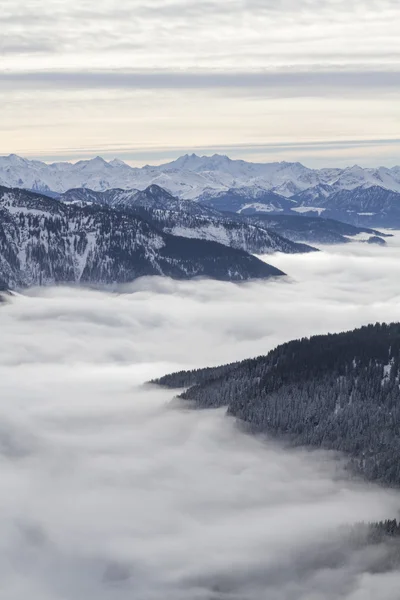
(250, 237)
(187, 218)
(44, 241)
(335, 391)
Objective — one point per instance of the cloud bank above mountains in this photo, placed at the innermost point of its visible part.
(302, 32)
(110, 490)
(182, 76)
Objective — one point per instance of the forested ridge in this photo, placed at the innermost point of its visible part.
(335, 391)
(46, 242)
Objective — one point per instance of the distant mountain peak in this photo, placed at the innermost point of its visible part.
(98, 160)
(157, 191)
(116, 162)
(14, 159)
(222, 156)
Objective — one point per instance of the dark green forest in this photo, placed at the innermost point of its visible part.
(336, 391)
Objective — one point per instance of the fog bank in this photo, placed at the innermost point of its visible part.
(112, 490)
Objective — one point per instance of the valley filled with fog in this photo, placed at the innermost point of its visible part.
(113, 489)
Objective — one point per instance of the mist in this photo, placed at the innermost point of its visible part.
(113, 489)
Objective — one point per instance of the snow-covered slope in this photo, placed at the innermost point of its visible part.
(188, 218)
(189, 176)
(44, 241)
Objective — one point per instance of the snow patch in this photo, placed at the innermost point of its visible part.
(212, 233)
(257, 206)
(306, 209)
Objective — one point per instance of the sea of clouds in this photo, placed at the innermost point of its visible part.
(112, 490)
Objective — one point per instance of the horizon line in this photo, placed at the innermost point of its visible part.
(168, 154)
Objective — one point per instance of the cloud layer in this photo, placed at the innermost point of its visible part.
(234, 33)
(112, 490)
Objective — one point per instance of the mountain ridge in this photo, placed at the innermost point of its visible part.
(189, 219)
(44, 241)
(188, 176)
(313, 230)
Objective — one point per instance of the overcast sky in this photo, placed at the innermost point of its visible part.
(310, 80)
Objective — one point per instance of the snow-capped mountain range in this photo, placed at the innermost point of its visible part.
(191, 176)
(362, 197)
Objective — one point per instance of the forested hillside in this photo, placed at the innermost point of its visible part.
(336, 391)
(46, 242)
(188, 219)
(313, 230)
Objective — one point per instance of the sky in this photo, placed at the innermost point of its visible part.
(310, 80)
(114, 490)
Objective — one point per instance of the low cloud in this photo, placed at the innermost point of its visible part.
(274, 84)
(112, 489)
